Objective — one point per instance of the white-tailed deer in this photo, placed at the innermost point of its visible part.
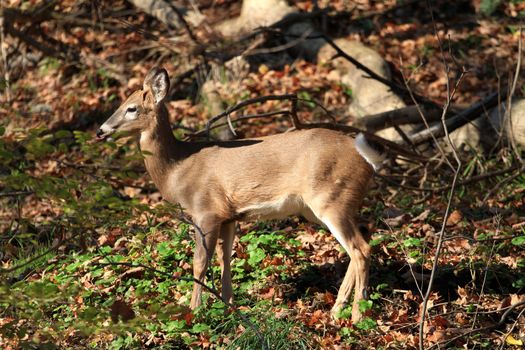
(320, 174)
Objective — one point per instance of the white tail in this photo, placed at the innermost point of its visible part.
(320, 174)
(373, 156)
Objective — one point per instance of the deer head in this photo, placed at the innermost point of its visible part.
(140, 109)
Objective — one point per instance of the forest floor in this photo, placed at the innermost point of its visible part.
(92, 258)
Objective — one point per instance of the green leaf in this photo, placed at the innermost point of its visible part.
(365, 305)
(487, 7)
(412, 242)
(519, 283)
(199, 328)
(173, 326)
(89, 313)
(377, 241)
(62, 134)
(345, 313)
(518, 240)
(366, 324)
(256, 256)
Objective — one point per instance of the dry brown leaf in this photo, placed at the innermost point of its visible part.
(436, 337)
(454, 218)
(135, 272)
(121, 310)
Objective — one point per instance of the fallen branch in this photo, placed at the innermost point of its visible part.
(390, 147)
(401, 116)
(472, 179)
(16, 193)
(245, 103)
(462, 118)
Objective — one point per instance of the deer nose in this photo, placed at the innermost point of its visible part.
(100, 133)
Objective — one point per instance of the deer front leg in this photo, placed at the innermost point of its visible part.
(224, 252)
(206, 235)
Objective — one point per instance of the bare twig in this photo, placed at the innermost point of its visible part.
(487, 265)
(508, 115)
(184, 22)
(423, 117)
(501, 322)
(503, 342)
(15, 193)
(464, 182)
(503, 182)
(245, 103)
(242, 117)
(390, 146)
(441, 234)
(209, 250)
(279, 48)
(4, 56)
(54, 247)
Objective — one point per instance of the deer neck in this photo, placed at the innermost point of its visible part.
(160, 149)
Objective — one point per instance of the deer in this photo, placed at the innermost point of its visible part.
(319, 174)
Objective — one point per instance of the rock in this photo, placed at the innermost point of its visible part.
(41, 108)
(512, 124)
(222, 83)
(360, 52)
(485, 132)
(255, 13)
(468, 136)
(369, 96)
(307, 48)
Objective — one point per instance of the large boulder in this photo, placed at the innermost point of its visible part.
(222, 83)
(468, 137)
(254, 13)
(497, 125)
(509, 124)
(369, 96)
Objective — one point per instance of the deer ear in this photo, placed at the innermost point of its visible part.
(158, 82)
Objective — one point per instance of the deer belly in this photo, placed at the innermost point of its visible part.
(277, 209)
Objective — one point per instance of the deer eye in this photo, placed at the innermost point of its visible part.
(131, 109)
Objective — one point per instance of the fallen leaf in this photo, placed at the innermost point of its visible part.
(454, 218)
(121, 310)
(329, 298)
(440, 322)
(505, 303)
(436, 337)
(136, 272)
(423, 216)
(510, 340)
(268, 294)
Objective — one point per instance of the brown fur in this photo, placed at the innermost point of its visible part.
(317, 173)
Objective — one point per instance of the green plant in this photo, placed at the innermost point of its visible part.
(306, 98)
(487, 7)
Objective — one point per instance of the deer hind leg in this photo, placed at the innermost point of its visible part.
(356, 278)
(205, 240)
(224, 252)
